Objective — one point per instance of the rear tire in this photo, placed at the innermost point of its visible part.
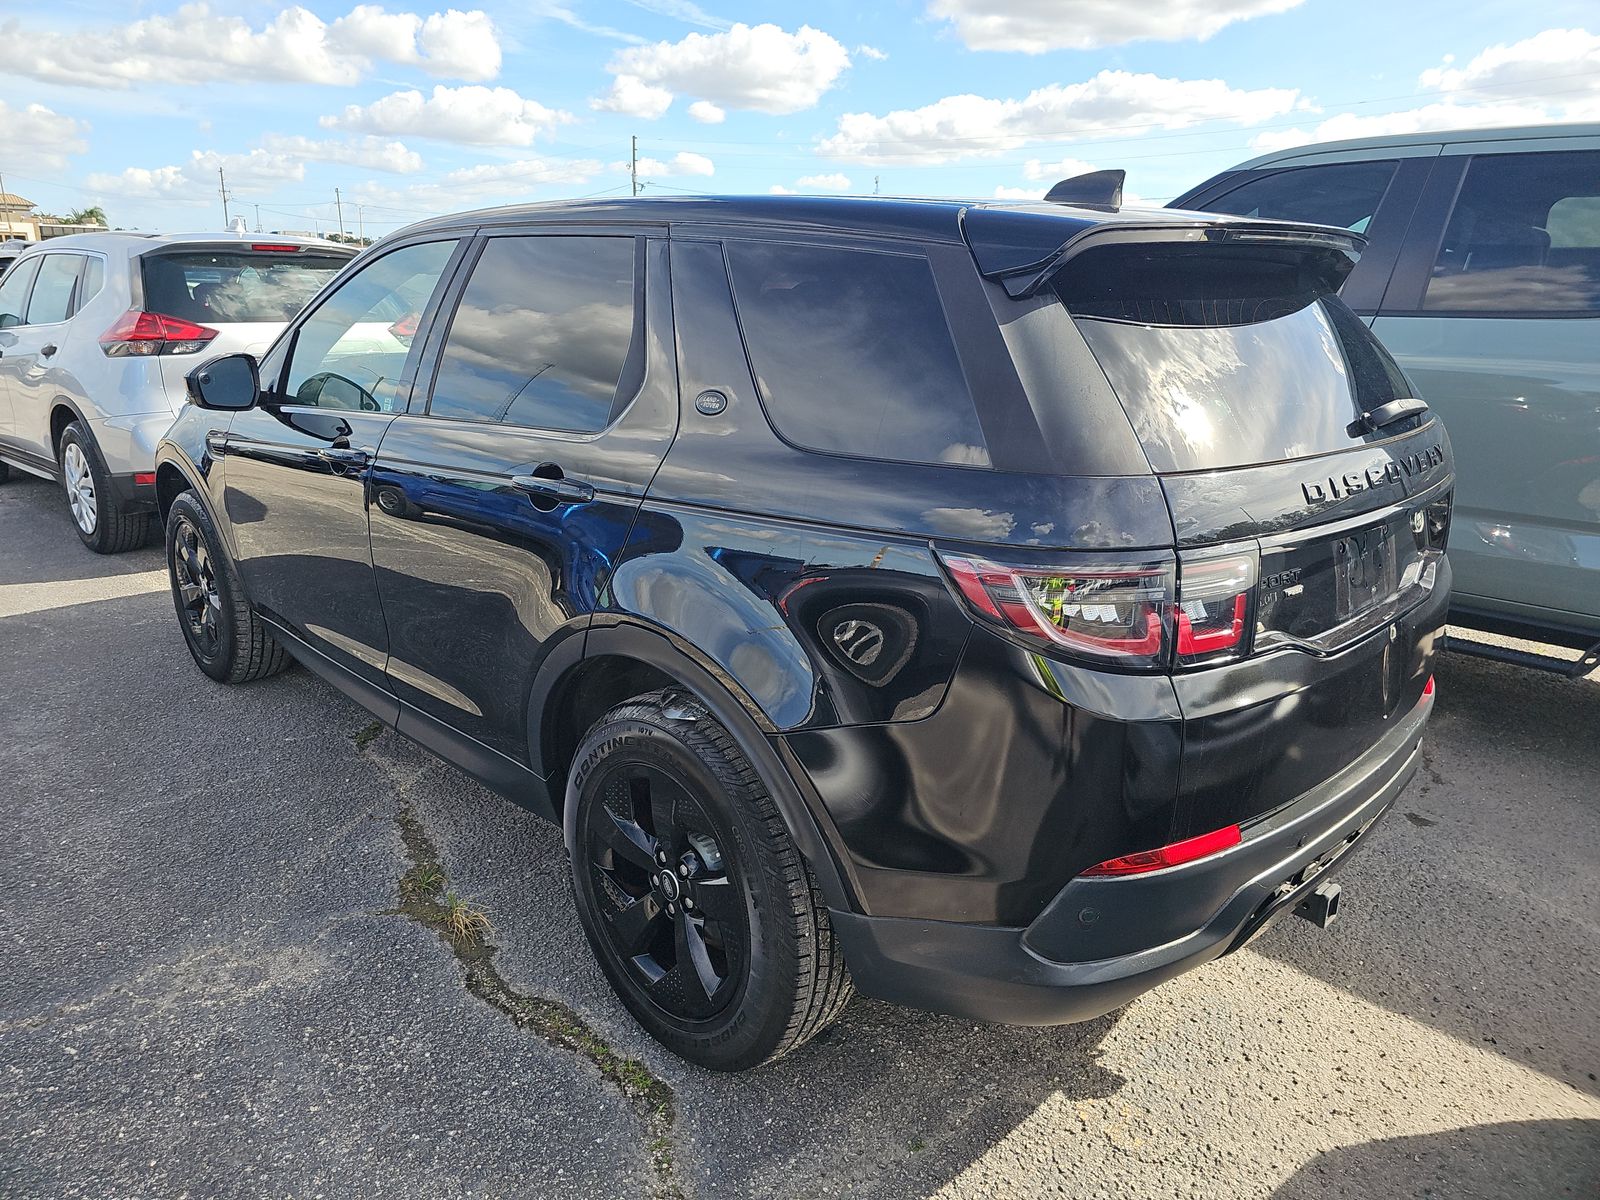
(696, 901)
(97, 514)
(226, 638)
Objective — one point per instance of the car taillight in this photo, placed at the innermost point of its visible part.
(1147, 615)
(1159, 859)
(1115, 612)
(1214, 606)
(139, 333)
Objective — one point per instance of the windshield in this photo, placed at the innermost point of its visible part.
(223, 287)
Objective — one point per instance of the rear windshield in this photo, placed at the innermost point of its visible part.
(222, 287)
(1227, 359)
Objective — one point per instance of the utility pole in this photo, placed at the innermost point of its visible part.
(361, 223)
(222, 187)
(874, 185)
(633, 166)
(258, 218)
(339, 204)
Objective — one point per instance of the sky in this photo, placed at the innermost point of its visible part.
(411, 110)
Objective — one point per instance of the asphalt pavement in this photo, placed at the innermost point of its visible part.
(211, 983)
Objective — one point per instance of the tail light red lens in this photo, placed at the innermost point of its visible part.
(1177, 853)
(1143, 615)
(138, 334)
(1427, 688)
(1112, 612)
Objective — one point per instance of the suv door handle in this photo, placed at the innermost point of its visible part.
(47, 351)
(566, 491)
(343, 456)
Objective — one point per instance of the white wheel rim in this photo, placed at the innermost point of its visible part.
(79, 482)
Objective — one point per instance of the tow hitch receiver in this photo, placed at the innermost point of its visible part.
(1321, 907)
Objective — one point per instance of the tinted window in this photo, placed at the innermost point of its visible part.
(14, 291)
(541, 334)
(94, 278)
(52, 291)
(234, 286)
(351, 352)
(1342, 194)
(1522, 237)
(853, 355)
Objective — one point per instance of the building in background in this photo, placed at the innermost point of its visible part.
(18, 221)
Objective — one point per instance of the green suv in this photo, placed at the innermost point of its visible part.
(1482, 277)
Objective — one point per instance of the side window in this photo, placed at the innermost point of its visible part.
(852, 353)
(541, 335)
(52, 292)
(1524, 237)
(94, 278)
(351, 352)
(14, 292)
(1341, 194)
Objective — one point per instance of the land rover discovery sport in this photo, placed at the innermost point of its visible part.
(998, 609)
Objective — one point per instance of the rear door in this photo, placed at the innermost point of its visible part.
(1494, 312)
(544, 407)
(14, 289)
(38, 371)
(296, 467)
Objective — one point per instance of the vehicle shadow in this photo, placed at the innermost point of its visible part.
(43, 547)
(1489, 853)
(1544, 1159)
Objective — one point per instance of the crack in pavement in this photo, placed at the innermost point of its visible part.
(425, 898)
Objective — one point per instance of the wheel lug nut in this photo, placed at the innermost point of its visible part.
(672, 909)
(683, 869)
(688, 903)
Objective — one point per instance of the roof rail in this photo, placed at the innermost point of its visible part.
(1095, 189)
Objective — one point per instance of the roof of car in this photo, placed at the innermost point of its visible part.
(135, 243)
(895, 216)
(1445, 137)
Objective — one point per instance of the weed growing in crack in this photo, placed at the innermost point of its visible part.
(365, 736)
(426, 899)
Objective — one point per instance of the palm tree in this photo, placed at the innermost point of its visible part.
(93, 215)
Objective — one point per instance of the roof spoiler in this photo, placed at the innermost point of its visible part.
(1021, 250)
(1093, 189)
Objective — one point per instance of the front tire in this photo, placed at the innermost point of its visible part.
(97, 514)
(226, 638)
(696, 901)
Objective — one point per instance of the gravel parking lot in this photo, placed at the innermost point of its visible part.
(209, 988)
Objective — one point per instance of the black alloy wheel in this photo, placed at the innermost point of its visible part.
(673, 905)
(194, 580)
(697, 903)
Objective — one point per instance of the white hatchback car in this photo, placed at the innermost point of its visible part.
(97, 332)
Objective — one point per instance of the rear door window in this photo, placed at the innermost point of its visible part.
(1341, 194)
(852, 353)
(14, 292)
(1227, 358)
(235, 286)
(52, 291)
(542, 334)
(1524, 237)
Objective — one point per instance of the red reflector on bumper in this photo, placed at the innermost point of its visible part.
(1169, 856)
(144, 479)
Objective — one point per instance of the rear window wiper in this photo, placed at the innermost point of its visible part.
(1395, 410)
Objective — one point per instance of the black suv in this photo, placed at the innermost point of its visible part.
(996, 608)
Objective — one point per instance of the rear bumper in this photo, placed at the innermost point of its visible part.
(1037, 975)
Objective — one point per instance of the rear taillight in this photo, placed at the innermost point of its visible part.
(1177, 853)
(1427, 688)
(137, 334)
(1142, 615)
(1114, 612)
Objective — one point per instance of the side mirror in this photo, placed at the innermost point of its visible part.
(229, 383)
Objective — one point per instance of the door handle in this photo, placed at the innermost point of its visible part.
(47, 351)
(564, 491)
(344, 456)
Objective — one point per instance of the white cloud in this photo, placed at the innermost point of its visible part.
(1064, 168)
(1017, 193)
(473, 115)
(633, 97)
(194, 183)
(824, 183)
(485, 183)
(1551, 76)
(968, 126)
(778, 189)
(370, 153)
(707, 113)
(761, 67)
(1035, 26)
(870, 52)
(682, 163)
(197, 45)
(35, 135)
(682, 10)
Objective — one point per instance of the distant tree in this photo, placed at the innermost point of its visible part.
(93, 215)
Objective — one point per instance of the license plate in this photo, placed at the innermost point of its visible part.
(1365, 571)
